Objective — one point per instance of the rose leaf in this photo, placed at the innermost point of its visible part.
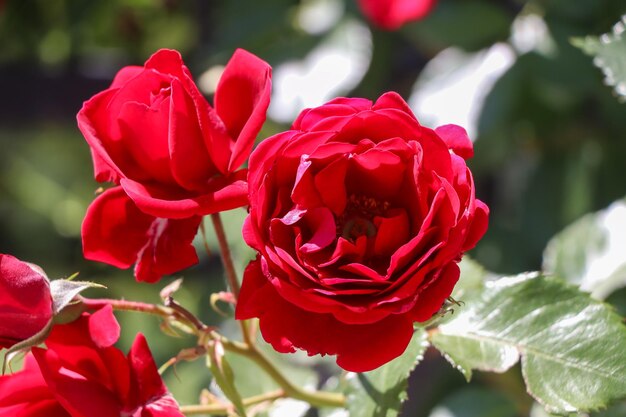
(609, 54)
(572, 347)
(590, 251)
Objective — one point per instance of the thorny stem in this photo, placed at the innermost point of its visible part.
(227, 259)
(136, 306)
(231, 273)
(221, 409)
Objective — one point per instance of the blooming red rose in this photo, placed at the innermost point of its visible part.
(360, 215)
(81, 374)
(25, 301)
(173, 156)
(392, 14)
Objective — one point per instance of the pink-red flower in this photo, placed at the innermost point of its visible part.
(172, 155)
(360, 216)
(392, 14)
(81, 374)
(25, 301)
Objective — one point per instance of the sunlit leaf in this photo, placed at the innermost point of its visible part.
(590, 252)
(609, 52)
(572, 347)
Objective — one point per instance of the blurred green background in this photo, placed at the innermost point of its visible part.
(549, 135)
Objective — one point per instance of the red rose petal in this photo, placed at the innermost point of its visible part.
(222, 193)
(241, 100)
(190, 163)
(456, 138)
(430, 299)
(359, 348)
(144, 373)
(116, 232)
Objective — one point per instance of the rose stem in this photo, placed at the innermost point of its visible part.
(125, 305)
(227, 259)
(316, 398)
(231, 274)
(219, 409)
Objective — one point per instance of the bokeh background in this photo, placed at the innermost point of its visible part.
(549, 135)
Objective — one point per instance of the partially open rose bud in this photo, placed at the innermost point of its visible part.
(25, 301)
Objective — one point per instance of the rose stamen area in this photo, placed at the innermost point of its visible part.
(357, 218)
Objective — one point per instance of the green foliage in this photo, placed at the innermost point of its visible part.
(589, 252)
(475, 402)
(572, 348)
(609, 52)
(380, 393)
(461, 23)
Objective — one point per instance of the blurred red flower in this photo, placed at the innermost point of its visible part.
(392, 14)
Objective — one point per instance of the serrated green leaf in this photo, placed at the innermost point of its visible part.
(609, 52)
(590, 251)
(380, 393)
(573, 348)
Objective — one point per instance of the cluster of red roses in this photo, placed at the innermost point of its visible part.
(359, 215)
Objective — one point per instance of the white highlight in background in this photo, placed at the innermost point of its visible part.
(331, 69)
(454, 84)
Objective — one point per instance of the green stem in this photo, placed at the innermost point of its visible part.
(220, 409)
(315, 398)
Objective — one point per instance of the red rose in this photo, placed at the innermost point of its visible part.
(25, 301)
(174, 157)
(81, 374)
(360, 216)
(392, 14)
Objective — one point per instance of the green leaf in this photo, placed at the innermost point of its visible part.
(224, 376)
(380, 393)
(609, 52)
(475, 402)
(572, 347)
(590, 252)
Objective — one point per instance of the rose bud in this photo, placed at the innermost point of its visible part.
(172, 155)
(360, 216)
(392, 14)
(25, 301)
